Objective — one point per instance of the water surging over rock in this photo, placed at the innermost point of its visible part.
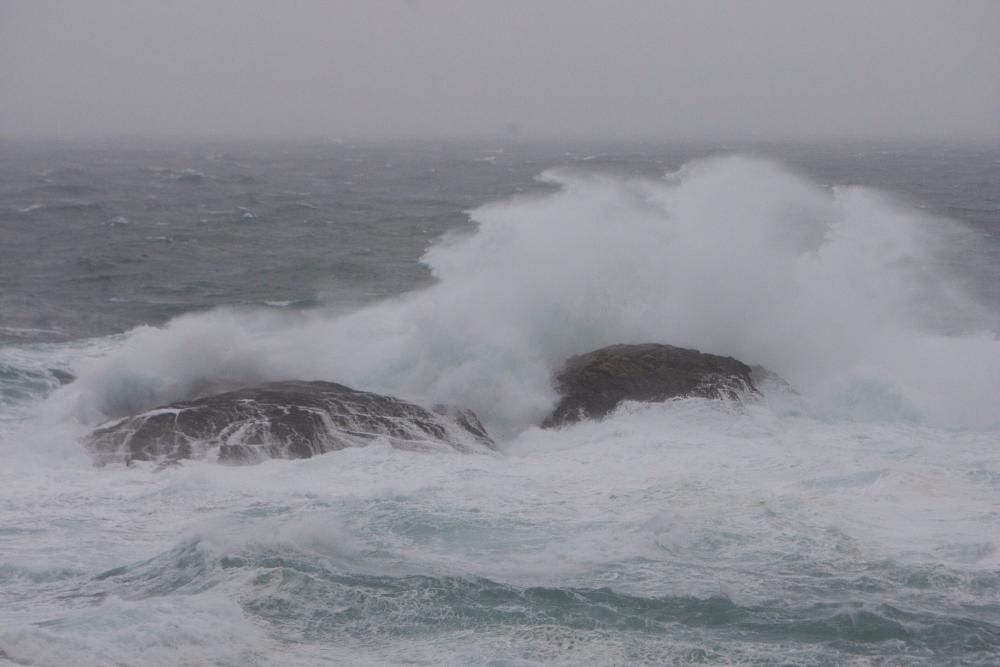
(290, 419)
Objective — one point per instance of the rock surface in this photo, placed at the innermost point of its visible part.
(291, 419)
(593, 384)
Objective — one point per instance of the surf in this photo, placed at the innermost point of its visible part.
(841, 290)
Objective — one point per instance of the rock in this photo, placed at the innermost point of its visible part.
(292, 419)
(593, 384)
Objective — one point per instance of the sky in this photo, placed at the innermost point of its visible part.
(467, 68)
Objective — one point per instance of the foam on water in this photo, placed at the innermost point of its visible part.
(839, 290)
(851, 521)
(683, 525)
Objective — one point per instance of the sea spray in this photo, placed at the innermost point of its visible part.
(827, 286)
(819, 525)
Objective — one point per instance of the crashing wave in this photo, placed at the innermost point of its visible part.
(841, 291)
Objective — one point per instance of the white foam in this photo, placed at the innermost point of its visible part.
(179, 630)
(691, 497)
(839, 290)
(848, 490)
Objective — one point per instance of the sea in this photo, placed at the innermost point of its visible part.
(850, 515)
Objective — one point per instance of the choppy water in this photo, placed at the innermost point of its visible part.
(853, 521)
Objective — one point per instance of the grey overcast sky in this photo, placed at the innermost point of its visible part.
(563, 68)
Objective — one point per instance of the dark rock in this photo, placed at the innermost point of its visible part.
(283, 420)
(593, 384)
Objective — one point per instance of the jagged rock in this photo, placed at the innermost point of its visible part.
(292, 419)
(593, 384)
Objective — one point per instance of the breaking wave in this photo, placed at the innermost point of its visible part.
(311, 580)
(843, 291)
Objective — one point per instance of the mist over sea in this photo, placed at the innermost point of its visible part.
(849, 517)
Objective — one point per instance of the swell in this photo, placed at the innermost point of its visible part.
(320, 599)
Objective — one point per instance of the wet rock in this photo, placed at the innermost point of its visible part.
(593, 384)
(292, 419)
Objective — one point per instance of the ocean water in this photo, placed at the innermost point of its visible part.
(850, 516)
